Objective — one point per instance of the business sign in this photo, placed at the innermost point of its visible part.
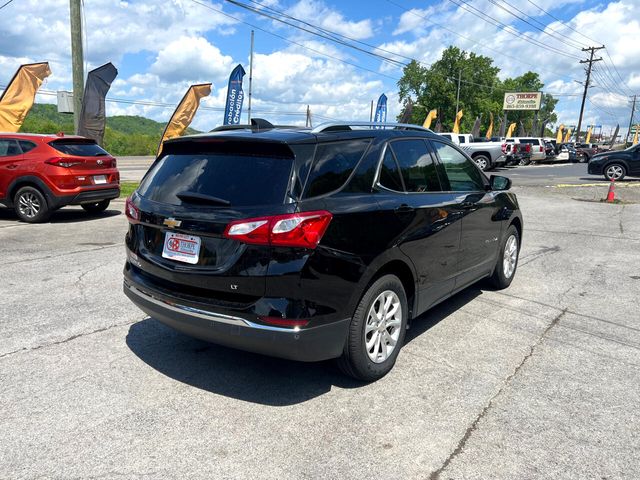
(522, 101)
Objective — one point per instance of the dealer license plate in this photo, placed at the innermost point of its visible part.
(99, 179)
(180, 247)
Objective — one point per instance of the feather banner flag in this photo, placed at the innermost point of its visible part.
(456, 124)
(559, 135)
(17, 99)
(490, 129)
(567, 137)
(615, 134)
(407, 112)
(635, 137)
(588, 139)
(475, 131)
(381, 110)
(512, 127)
(185, 111)
(235, 97)
(503, 125)
(93, 117)
(521, 130)
(430, 116)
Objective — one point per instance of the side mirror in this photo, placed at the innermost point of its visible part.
(500, 183)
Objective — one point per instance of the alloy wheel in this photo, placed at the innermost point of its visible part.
(382, 329)
(615, 172)
(510, 256)
(29, 204)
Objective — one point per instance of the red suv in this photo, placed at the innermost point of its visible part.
(41, 173)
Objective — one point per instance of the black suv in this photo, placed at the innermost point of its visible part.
(314, 244)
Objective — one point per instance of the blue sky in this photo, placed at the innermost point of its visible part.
(160, 47)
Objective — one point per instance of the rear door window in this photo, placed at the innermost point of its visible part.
(78, 148)
(416, 165)
(462, 173)
(241, 180)
(334, 162)
(9, 147)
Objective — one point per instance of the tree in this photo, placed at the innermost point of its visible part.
(481, 91)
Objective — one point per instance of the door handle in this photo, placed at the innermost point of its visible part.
(404, 208)
(12, 166)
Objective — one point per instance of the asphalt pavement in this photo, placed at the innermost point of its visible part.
(536, 381)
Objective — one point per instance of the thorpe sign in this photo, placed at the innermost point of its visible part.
(522, 101)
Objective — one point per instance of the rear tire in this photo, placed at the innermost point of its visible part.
(31, 205)
(96, 207)
(483, 162)
(507, 262)
(377, 331)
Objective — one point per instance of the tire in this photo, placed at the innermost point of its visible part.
(96, 207)
(507, 262)
(483, 162)
(31, 206)
(370, 364)
(524, 162)
(585, 158)
(615, 171)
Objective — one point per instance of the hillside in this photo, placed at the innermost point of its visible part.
(124, 134)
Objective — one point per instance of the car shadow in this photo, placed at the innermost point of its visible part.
(64, 215)
(252, 377)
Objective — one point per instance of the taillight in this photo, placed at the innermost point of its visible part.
(541, 148)
(63, 162)
(131, 211)
(303, 230)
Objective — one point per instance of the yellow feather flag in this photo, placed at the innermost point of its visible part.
(635, 137)
(490, 129)
(512, 127)
(567, 136)
(456, 124)
(427, 121)
(588, 139)
(559, 135)
(185, 111)
(18, 97)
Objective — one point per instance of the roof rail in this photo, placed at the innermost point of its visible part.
(257, 125)
(335, 126)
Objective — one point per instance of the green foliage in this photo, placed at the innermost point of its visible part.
(481, 91)
(124, 135)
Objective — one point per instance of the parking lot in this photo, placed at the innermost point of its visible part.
(536, 381)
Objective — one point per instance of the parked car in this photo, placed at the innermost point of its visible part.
(563, 154)
(314, 244)
(517, 153)
(574, 155)
(487, 155)
(586, 151)
(616, 164)
(41, 173)
(549, 150)
(537, 148)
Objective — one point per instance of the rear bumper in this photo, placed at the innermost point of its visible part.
(234, 330)
(87, 196)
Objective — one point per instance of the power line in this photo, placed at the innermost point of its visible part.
(5, 4)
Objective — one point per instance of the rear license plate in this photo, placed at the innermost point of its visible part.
(180, 247)
(99, 179)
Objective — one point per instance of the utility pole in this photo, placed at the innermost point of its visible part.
(586, 84)
(77, 59)
(458, 94)
(633, 110)
(250, 79)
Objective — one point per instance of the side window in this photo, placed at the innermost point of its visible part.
(333, 165)
(390, 173)
(26, 146)
(9, 147)
(461, 139)
(416, 165)
(461, 172)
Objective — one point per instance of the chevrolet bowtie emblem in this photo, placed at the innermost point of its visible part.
(172, 222)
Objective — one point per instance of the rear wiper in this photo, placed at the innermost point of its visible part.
(194, 197)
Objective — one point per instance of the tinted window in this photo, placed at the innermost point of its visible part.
(8, 148)
(417, 167)
(461, 172)
(390, 173)
(26, 146)
(79, 148)
(461, 139)
(333, 165)
(240, 179)
(532, 141)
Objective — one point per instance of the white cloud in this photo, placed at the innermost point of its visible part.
(319, 14)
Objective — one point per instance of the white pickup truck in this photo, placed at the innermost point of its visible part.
(487, 155)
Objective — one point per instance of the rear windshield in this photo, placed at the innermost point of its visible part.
(532, 141)
(79, 148)
(241, 180)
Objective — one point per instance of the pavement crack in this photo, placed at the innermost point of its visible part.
(435, 475)
(69, 339)
(620, 220)
(65, 254)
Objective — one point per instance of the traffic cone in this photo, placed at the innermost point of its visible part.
(611, 195)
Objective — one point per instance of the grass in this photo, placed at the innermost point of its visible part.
(127, 188)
